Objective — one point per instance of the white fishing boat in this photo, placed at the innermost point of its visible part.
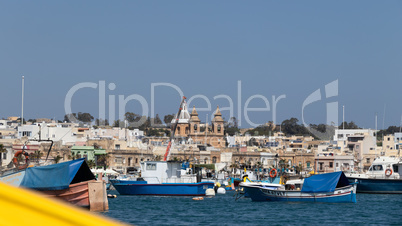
(383, 176)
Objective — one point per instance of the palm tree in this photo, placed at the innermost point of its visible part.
(2, 150)
(57, 159)
(37, 155)
(102, 160)
(91, 164)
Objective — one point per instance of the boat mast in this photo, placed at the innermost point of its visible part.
(22, 103)
(174, 130)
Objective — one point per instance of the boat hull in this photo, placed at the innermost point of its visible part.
(76, 194)
(341, 195)
(378, 186)
(164, 189)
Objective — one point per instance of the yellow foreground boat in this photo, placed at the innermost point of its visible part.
(23, 207)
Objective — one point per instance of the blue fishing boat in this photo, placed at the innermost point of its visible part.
(163, 179)
(383, 177)
(329, 187)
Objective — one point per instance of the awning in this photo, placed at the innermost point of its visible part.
(57, 176)
(324, 182)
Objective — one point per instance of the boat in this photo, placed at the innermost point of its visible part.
(20, 206)
(162, 178)
(329, 187)
(165, 178)
(70, 181)
(383, 177)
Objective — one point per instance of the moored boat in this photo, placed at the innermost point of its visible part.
(70, 181)
(163, 179)
(329, 187)
(383, 177)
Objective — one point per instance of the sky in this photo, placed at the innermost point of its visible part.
(212, 51)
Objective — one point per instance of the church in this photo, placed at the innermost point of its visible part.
(190, 128)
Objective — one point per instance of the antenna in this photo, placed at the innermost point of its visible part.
(376, 134)
(343, 117)
(206, 130)
(383, 117)
(22, 103)
(400, 125)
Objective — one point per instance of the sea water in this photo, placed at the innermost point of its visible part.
(370, 209)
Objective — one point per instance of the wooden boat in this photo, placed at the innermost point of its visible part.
(70, 181)
(329, 187)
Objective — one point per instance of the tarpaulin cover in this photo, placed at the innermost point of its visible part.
(324, 182)
(57, 176)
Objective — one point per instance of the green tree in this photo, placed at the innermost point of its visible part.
(157, 120)
(57, 159)
(36, 155)
(168, 119)
(291, 127)
(231, 127)
(91, 163)
(350, 125)
(132, 117)
(85, 117)
(101, 122)
(69, 117)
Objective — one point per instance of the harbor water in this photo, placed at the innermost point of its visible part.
(224, 210)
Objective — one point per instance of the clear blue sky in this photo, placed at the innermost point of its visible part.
(205, 47)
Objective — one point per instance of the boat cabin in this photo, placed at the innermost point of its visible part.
(386, 167)
(157, 172)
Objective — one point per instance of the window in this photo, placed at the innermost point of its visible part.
(331, 164)
(377, 167)
(118, 160)
(195, 127)
(321, 165)
(308, 164)
(214, 159)
(367, 160)
(117, 146)
(26, 133)
(151, 166)
(219, 128)
(5, 155)
(337, 164)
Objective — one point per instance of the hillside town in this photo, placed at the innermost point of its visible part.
(123, 149)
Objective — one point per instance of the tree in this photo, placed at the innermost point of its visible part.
(57, 159)
(101, 122)
(291, 127)
(118, 123)
(168, 119)
(36, 155)
(231, 127)
(157, 120)
(132, 117)
(350, 125)
(85, 117)
(91, 163)
(67, 117)
(102, 160)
